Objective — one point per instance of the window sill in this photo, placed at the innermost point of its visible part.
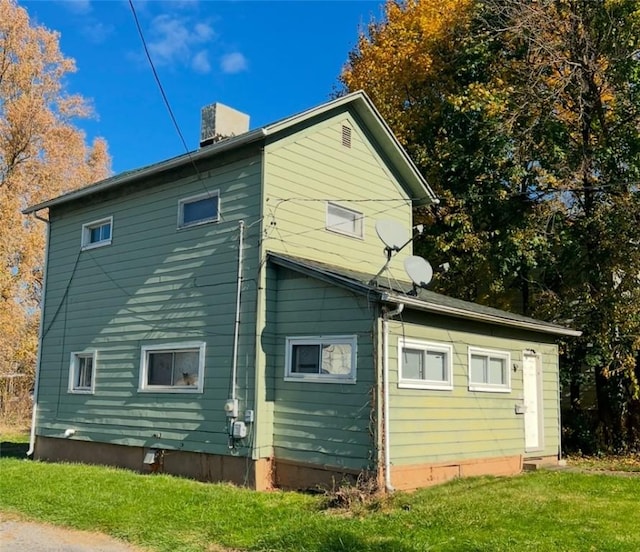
(489, 389)
(96, 245)
(319, 379)
(171, 390)
(434, 386)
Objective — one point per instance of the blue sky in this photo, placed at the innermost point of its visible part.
(269, 59)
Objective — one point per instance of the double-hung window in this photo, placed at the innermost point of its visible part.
(172, 367)
(82, 372)
(345, 221)
(199, 209)
(489, 370)
(97, 233)
(425, 365)
(329, 359)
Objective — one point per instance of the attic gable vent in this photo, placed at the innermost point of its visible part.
(346, 136)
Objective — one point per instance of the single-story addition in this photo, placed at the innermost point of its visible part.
(229, 315)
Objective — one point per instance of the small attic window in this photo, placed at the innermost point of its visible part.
(346, 136)
(200, 209)
(344, 221)
(97, 233)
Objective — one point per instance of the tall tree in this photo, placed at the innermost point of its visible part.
(41, 155)
(525, 116)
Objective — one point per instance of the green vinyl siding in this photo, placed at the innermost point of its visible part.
(155, 284)
(322, 423)
(431, 426)
(311, 167)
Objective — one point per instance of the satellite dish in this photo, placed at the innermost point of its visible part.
(418, 270)
(392, 234)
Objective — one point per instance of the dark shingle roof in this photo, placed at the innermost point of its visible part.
(397, 292)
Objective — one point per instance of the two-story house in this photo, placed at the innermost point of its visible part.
(231, 314)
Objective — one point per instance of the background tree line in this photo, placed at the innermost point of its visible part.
(524, 115)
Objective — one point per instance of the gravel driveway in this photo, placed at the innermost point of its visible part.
(20, 536)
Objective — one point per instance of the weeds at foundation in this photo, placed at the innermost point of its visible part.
(354, 496)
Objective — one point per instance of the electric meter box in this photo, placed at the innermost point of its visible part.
(239, 430)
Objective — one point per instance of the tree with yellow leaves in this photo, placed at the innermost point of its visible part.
(41, 155)
(525, 117)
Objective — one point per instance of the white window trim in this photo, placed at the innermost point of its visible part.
(490, 387)
(426, 346)
(319, 340)
(359, 215)
(191, 199)
(86, 233)
(73, 372)
(143, 387)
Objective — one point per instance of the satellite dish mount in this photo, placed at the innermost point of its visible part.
(394, 237)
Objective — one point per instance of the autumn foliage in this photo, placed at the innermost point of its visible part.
(41, 155)
(525, 118)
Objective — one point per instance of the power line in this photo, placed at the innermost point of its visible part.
(160, 87)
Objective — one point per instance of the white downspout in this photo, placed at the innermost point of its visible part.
(386, 315)
(236, 329)
(36, 384)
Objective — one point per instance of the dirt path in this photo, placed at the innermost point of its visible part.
(19, 536)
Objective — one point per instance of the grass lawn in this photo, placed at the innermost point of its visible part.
(538, 511)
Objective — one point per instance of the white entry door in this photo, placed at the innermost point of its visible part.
(532, 394)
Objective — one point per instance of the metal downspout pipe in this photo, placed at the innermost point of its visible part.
(386, 315)
(236, 328)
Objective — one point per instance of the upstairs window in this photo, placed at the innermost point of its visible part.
(489, 370)
(345, 221)
(329, 359)
(199, 209)
(97, 233)
(425, 365)
(82, 372)
(173, 368)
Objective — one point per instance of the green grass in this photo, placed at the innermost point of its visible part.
(540, 511)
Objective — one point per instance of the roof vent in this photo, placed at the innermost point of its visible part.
(220, 122)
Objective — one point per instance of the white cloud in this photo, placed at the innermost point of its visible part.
(173, 41)
(200, 62)
(97, 32)
(77, 6)
(234, 62)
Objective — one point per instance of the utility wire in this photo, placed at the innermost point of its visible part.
(162, 92)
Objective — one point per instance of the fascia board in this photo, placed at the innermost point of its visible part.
(482, 317)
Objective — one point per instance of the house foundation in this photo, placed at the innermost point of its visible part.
(255, 474)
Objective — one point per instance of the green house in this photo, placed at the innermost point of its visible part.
(231, 314)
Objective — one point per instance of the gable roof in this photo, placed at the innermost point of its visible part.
(425, 300)
(358, 101)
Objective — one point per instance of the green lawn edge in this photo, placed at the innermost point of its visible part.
(538, 511)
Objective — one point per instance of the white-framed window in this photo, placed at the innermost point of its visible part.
(345, 221)
(97, 233)
(424, 365)
(199, 209)
(172, 367)
(82, 371)
(489, 370)
(327, 359)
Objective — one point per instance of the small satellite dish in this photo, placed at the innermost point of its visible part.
(418, 270)
(392, 234)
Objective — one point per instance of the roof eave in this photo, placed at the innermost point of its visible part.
(428, 306)
(134, 175)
